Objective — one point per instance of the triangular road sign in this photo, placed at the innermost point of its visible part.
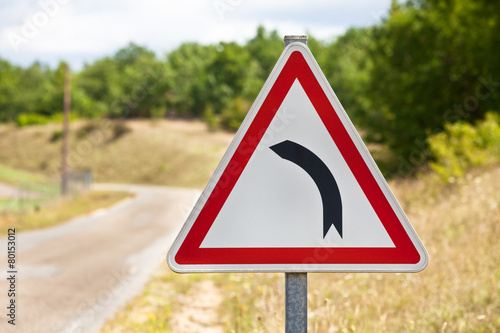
(297, 190)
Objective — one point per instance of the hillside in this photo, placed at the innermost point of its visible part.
(164, 152)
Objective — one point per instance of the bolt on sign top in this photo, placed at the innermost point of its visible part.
(297, 190)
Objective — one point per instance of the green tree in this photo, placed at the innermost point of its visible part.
(265, 48)
(226, 74)
(9, 94)
(346, 65)
(132, 83)
(429, 58)
(143, 82)
(186, 67)
(101, 82)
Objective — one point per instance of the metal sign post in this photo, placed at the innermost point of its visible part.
(295, 302)
(295, 283)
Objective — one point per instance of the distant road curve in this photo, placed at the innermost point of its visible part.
(74, 276)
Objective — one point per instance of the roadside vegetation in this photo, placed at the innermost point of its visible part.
(458, 292)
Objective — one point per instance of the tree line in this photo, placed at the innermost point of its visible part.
(428, 62)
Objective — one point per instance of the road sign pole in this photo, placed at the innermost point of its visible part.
(295, 302)
(295, 283)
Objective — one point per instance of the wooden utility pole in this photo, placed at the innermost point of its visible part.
(65, 137)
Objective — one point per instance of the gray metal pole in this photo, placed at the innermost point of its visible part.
(295, 302)
(295, 283)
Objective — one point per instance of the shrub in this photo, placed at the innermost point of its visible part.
(211, 118)
(26, 119)
(462, 146)
(86, 129)
(120, 128)
(232, 117)
(56, 136)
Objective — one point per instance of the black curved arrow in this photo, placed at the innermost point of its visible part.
(319, 172)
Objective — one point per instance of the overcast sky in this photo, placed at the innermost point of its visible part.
(81, 31)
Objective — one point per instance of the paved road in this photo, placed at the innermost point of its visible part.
(72, 277)
(7, 191)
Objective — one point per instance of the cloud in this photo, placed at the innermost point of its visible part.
(82, 31)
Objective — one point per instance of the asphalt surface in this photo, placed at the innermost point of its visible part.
(7, 191)
(72, 277)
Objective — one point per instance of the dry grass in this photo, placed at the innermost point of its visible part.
(149, 312)
(162, 152)
(162, 303)
(458, 292)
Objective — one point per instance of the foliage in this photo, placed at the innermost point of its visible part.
(26, 119)
(428, 62)
(129, 84)
(431, 63)
(462, 146)
(232, 117)
(211, 119)
(346, 64)
(187, 68)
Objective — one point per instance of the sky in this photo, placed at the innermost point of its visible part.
(81, 31)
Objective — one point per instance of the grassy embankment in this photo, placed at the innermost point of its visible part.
(458, 292)
(175, 153)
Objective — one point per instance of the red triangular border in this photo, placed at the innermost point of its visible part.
(190, 252)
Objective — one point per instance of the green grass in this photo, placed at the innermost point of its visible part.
(60, 211)
(16, 176)
(458, 292)
(32, 190)
(18, 205)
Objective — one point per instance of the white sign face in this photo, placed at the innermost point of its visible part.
(297, 190)
(273, 197)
